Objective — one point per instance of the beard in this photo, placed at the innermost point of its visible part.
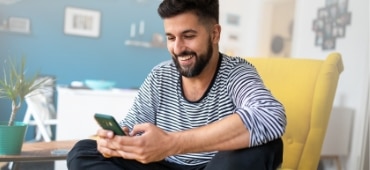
(201, 62)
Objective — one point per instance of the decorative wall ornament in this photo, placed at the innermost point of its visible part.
(136, 38)
(233, 19)
(331, 23)
(16, 25)
(82, 22)
(20, 25)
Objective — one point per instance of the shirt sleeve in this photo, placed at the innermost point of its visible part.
(144, 107)
(262, 114)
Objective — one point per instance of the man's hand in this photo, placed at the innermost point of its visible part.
(146, 143)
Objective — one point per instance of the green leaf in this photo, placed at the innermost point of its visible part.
(15, 85)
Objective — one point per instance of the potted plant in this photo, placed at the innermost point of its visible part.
(15, 85)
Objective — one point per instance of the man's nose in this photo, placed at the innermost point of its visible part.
(179, 46)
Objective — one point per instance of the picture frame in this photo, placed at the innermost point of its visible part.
(318, 25)
(330, 23)
(82, 22)
(322, 13)
(344, 19)
(19, 25)
(319, 39)
(233, 19)
(339, 31)
(328, 44)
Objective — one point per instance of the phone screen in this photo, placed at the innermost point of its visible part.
(108, 122)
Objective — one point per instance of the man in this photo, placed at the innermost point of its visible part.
(203, 110)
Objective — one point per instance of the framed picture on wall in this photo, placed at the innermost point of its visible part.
(233, 19)
(330, 23)
(82, 22)
(20, 25)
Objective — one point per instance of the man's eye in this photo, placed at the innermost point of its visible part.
(189, 36)
(170, 38)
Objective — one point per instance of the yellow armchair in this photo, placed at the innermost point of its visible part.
(306, 87)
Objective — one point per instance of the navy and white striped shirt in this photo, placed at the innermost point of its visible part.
(236, 88)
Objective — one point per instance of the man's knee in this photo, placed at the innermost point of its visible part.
(83, 147)
(264, 157)
(81, 150)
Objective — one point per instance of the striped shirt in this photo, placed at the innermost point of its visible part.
(235, 88)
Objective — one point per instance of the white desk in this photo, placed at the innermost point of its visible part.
(76, 107)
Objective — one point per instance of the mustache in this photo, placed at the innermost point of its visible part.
(184, 53)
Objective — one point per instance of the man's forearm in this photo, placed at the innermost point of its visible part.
(227, 134)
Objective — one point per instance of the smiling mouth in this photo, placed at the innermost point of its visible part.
(185, 58)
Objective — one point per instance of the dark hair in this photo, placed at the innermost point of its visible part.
(206, 10)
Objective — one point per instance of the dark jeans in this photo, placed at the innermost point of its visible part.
(84, 156)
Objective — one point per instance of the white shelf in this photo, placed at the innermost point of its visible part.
(144, 44)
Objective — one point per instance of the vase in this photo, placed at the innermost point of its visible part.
(12, 137)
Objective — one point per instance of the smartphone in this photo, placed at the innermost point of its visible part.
(108, 122)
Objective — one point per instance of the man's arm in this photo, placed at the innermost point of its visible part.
(262, 114)
(155, 144)
(227, 134)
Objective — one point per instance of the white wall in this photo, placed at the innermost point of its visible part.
(354, 47)
(256, 27)
(247, 31)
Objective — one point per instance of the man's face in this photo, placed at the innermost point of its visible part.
(189, 43)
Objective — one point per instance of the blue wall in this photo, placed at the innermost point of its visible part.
(49, 50)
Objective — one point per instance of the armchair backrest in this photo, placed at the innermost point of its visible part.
(306, 87)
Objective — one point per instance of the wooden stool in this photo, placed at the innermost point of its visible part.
(40, 151)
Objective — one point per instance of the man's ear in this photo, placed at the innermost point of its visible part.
(216, 32)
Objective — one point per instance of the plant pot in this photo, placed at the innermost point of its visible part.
(12, 137)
